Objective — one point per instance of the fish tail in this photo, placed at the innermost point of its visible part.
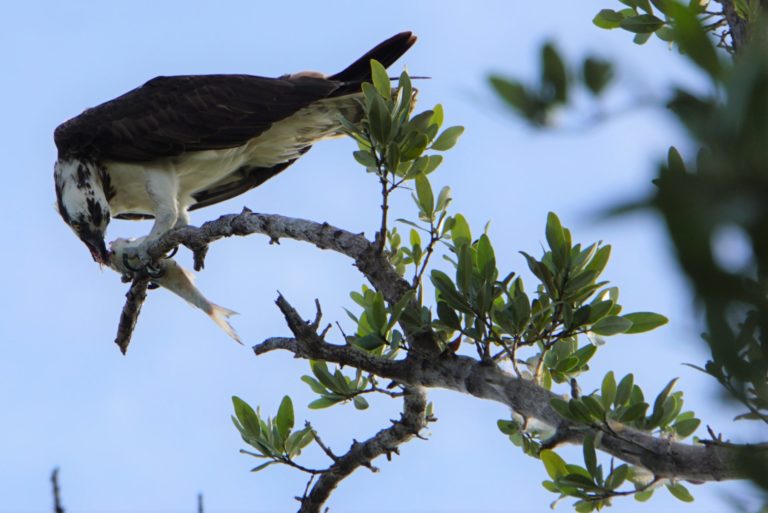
(219, 315)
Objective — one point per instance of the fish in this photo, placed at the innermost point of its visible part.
(178, 280)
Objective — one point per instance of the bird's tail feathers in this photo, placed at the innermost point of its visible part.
(219, 315)
(386, 52)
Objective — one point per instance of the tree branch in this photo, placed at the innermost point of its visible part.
(663, 457)
(739, 28)
(412, 421)
(134, 299)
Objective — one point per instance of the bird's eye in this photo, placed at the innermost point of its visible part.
(75, 226)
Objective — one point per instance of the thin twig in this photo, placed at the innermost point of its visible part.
(327, 450)
(57, 507)
(361, 454)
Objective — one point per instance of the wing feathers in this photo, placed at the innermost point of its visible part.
(168, 116)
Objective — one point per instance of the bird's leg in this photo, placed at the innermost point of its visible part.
(162, 188)
(198, 253)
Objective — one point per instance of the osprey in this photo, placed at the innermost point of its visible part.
(180, 143)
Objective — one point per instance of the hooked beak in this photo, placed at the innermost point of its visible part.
(98, 249)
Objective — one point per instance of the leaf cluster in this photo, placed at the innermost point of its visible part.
(391, 143)
(537, 102)
(273, 438)
(624, 403)
(662, 18)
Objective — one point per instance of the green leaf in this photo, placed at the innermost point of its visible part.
(320, 370)
(658, 405)
(314, 385)
(613, 325)
(598, 310)
(297, 441)
(596, 409)
(617, 477)
(380, 123)
(590, 456)
(644, 321)
(248, 418)
(448, 292)
(553, 463)
(641, 39)
(643, 496)
(608, 19)
(324, 402)
(597, 74)
(561, 407)
(447, 139)
(508, 427)
(284, 419)
(566, 364)
(413, 145)
(666, 34)
(608, 390)
(634, 412)
(585, 354)
(556, 239)
(680, 492)
(448, 316)
(642, 24)
(365, 158)
(424, 194)
(580, 412)
(486, 259)
(360, 402)
(378, 314)
(443, 199)
(645, 5)
(263, 466)
(381, 79)
(675, 161)
(460, 233)
(370, 341)
(514, 93)
(661, 5)
(554, 73)
(584, 506)
(686, 428)
(576, 481)
(624, 390)
(550, 486)
(600, 260)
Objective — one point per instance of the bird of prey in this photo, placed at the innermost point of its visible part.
(180, 143)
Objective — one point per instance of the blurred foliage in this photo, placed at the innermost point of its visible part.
(723, 190)
(537, 103)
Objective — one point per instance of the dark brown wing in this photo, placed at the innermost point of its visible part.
(168, 116)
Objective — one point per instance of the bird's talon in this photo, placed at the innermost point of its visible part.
(126, 263)
(172, 252)
(154, 271)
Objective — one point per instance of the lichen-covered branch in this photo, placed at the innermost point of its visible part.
(371, 263)
(664, 458)
(411, 422)
(134, 299)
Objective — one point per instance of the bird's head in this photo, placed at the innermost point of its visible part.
(83, 205)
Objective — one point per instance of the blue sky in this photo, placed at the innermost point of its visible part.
(147, 432)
